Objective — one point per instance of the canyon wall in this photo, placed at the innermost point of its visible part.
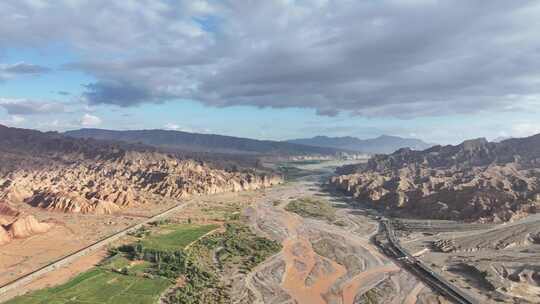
(474, 181)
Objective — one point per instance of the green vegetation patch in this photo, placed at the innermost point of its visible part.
(175, 237)
(239, 246)
(370, 297)
(135, 273)
(100, 286)
(143, 271)
(234, 251)
(312, 207)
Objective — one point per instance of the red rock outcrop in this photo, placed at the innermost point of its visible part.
(105, 186)
(26, 226)
(22, 226)
(476, 181)
(57, 173)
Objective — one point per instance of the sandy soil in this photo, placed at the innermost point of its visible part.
(492, 263)
(323, 262)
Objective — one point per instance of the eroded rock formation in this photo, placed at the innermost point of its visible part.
(476, 180)
(14, 224)
(57, 173)
(105, 186)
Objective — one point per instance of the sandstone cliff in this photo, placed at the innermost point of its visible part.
(105, 186)
(56, 173)
(476, 180)
(14, 225)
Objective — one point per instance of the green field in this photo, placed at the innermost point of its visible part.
(123, 278)
(99, 286)
(173, 237)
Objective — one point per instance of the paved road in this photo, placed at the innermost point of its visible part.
(421, 270)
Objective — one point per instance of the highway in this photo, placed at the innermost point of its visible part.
(422, 271)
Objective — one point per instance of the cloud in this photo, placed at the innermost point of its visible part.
(384, 58)
(24, 68)
(524, 129)
(184, 128)
(13, 120)
(8, 71)
(120, 94)
(17, 119)
(16, 106)
(88, 120)
(172, 126)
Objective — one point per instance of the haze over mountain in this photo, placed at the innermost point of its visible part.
(196, 142)
(382, 144)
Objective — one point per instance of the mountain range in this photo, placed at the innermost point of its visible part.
(211, 143)
(383, 144)
(476, 180)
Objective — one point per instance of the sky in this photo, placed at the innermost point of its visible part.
(442, 71)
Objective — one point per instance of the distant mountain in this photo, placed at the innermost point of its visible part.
(195, 142)
(382, 144)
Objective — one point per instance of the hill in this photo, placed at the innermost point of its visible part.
(382, 144)
(196, 142)
(476, 180)
(66, 174)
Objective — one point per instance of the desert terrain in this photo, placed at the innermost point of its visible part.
(320, 261)
(495, 263)
(324, 262)
(317, 241)
(469, 212)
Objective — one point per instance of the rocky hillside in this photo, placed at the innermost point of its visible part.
(57, 173)
(14, 224)
(476, 180)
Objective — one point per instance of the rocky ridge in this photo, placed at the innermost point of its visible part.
(56, 173)
(475, 181)
(105, 186)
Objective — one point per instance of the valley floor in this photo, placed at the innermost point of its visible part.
(321, 261)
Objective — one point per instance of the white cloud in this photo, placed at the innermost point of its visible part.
(172, 126)
(525, 129)
(88, 120)
(13, 120)
(22, 106)
(17, 119)
(369, 58)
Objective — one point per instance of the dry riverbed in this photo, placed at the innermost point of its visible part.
(325, 262)
(321, 261)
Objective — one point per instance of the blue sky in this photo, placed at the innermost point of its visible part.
(275, 69)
